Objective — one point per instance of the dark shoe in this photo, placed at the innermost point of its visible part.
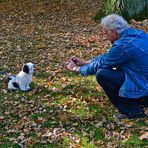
(139, 115)
(130, 116)
(144, 101)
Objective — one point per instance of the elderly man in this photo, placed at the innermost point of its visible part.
(123, 71)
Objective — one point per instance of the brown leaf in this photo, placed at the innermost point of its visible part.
(63, 116)
(1, 119)
(144, 136)
(40, 120)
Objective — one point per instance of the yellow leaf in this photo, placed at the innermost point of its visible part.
(61, 94)
(40, 46)
(50, 83)
(63, 78)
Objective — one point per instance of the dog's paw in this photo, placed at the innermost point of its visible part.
(12, 90)
(26, 90)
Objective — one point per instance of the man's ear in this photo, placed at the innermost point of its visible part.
(113, 32)
(116, 35)
(26, 69)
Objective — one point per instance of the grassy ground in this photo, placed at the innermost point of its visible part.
(63, 109)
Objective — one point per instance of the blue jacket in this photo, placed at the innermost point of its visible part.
(130, 54)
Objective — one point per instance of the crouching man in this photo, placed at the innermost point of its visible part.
(123, 71)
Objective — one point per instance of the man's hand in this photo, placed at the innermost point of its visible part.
(70, 65)
(78, 61)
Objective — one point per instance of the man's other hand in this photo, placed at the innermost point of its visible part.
(78, 61)
(70, 65)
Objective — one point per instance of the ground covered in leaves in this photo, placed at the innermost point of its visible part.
(63, 109)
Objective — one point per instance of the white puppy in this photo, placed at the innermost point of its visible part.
(23, 78)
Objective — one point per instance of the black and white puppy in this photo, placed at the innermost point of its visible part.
(23, 78)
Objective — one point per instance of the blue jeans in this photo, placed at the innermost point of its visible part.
(111, 81)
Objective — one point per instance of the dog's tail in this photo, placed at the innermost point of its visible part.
(12, 84)
(4, 75)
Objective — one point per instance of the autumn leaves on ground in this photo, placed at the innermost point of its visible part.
(63, 109)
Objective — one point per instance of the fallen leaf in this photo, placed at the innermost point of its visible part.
(63, 78)
(1, 119)
(144, 136)
(62, 116)
(50, 83)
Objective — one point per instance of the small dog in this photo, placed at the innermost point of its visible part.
(22, 80)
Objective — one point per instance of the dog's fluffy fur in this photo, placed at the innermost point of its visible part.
(23, 78)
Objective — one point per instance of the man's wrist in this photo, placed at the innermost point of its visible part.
(76, 69)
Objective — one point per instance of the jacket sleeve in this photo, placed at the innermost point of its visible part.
(92, 67)
(116, 57)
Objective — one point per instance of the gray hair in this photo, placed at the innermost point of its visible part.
(114, 22)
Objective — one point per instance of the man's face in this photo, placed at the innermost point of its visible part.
(111, 35)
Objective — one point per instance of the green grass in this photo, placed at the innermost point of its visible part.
(135, 141)
(84, 112)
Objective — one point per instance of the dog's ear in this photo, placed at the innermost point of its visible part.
(26, 69)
